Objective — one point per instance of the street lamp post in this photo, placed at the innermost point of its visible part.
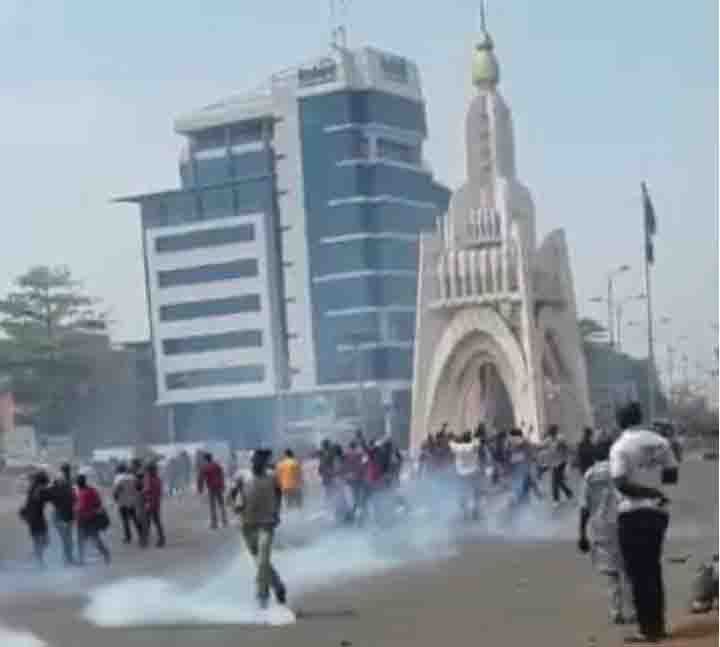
(619, 312)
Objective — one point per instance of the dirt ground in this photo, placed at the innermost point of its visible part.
(482, 590)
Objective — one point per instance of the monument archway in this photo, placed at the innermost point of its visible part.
(476, 374)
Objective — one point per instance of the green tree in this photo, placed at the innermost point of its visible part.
(45, 321)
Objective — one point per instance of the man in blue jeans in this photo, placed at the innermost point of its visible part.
(62, 497)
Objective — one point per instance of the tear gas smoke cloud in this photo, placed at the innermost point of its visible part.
(427, 533)
(12, 638)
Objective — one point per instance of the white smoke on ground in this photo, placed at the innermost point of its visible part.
(429, 531)
(13, 638)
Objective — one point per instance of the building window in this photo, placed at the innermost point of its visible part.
(210, 308)
(246, 132)
(217, 203)
(209, 139)
(323, 72)
(397, 151)
(240, 269)
(394, 69)
(401, 326)
(248, 374)
(209, 343)
(205, 238)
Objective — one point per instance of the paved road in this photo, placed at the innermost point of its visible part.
(425, 585)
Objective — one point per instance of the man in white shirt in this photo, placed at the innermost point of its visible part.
(127, 497)
(641, 462)
(467, 466)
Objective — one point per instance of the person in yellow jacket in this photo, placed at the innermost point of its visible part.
(289, 475)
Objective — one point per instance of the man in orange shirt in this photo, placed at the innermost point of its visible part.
(288, 473)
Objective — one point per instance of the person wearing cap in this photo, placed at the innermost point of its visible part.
(258, 500)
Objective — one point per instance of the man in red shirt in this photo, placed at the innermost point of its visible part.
(211, 475)
(88, 507)
(152, 496)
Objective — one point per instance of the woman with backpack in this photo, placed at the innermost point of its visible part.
(91, 519)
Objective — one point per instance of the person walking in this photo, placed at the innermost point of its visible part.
(212, 477)
(290, 478)
(258, 502)
(33, 513)
(62, 496)
(152, 498)
(641, 462)
(598, 510)
(137, 471)
(91, 519)
(126, 496)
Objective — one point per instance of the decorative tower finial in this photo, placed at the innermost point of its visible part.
(486, 71)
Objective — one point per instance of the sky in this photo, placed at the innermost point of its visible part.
(604, 95)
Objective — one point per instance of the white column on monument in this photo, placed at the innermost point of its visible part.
(481, 271)
(440, 276)
(473, 273)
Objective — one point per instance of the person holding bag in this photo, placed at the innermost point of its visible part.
(91, 518)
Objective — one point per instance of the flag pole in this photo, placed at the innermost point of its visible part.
(651, 344)
(650, 227)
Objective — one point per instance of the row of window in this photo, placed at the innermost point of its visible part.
(236, 134)
(376, 217)
(364, 106)
(210, 308)
(362, 291)
(219, 170)
(203, 378)
(185, 207)
(205, 238)
(239, 269)
(363, 254)
(208, 343)
(367, 327)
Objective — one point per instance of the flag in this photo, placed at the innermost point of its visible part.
(650, 225)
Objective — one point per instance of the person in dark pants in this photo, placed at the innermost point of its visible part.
(63, 501)
(33, 513)
(558, 450)
(212, 476)
(88, 506)
(641, 461)
(152, 494)
(585, 452)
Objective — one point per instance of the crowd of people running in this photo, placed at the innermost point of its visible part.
(80, 515)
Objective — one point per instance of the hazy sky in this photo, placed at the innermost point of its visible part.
(604, 94)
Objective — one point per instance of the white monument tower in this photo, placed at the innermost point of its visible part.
(497, 339)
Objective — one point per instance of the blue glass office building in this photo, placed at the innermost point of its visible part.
(281, 276)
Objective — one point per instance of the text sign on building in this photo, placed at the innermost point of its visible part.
(394, 68)
(324, 71)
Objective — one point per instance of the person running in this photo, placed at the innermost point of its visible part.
(354, 473)
(290, 478)
(558, 452)
(212, 476)
(33, 513)
(467, 468)
(89, 515)
(586, 454)
(62, 496)
(127, 497)
(641, 462)
(137, 470)
(258, 501)
(519, 461)
(598, 510)
(152, 497)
